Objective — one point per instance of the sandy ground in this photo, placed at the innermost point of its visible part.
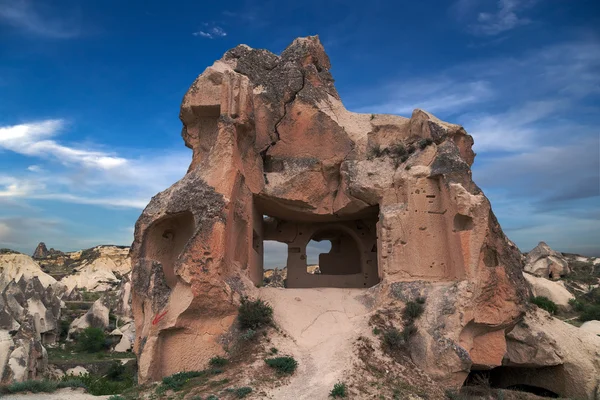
(322, 325)
(61, 394)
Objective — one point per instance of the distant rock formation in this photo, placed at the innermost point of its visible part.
(41, 251)
(31, 301)
(547, 263)
(30, 308)
(276, 156)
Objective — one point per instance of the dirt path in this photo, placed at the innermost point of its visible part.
(322, 325)
(61, 394)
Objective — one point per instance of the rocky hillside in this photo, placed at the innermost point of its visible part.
(566, 285)
(48, 301)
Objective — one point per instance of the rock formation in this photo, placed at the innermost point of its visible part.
(547, 263)
(97, 269)
(30, 308)
(276, 156)
(41, 251)
(553, 290)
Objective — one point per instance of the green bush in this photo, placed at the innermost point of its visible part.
(545, 303)
(91, 340)
(577, 305)
(33, 386)
(274, 350)
(412, 311)
(397, 151)
(249, 334)
(116, 371)
(176, 381)
(63, 330)
(339, 390)
(284, 365)
(218, 361)
(71, 382)
(98, 386)
(254, 314)
(242, 392)
(374, 151)
(408, 331)
(424, 143)
(116, 397)
(212, 397)
(393, 338)
(590, 312)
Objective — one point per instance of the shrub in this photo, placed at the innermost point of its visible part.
(274, 350)
(116, 370)
(249, 334)
(71, 382)
(63, 330)
(212, 397)
(116, 397)
(374, 151)
(393, 338)
(91, 340)
(176, 381)
(243, 392)
(376, 331)
(545, 303)
(339, 390)
(412, 311)
(33, 386)
(284, 365)
(591, 312)
(397, 151)
(408, 331)
(254, 314)
(99, 386)
(424, 143)
(577, 305)
(218, 361)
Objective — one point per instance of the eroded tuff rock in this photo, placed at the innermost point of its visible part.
(30, 308)
(547, 263)
(394, 195)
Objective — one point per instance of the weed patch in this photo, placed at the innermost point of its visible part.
(283, 365)
(339, 390)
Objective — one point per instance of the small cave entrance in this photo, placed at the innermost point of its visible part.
(305, 253)
(165, 240)
(543, 382)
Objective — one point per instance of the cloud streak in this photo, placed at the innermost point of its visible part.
(33, 139)
(23, 15)
(211, 33)
(81, 175)
(505, 16)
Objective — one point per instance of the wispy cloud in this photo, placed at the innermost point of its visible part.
(82, 175)
(211, 32)
(513, 130)
(32, 139)
(502, 16)
(34, 18)
(438, 94)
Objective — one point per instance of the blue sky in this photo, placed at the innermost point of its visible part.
(90, 94)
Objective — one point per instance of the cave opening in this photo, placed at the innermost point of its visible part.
(542, 382)
(325, 252)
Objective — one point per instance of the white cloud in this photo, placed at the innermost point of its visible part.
(212, 33)
(84, 176)
(512, 130)
(23, 15)
(31, 139)
(438, 94)
(35, 168)
(507, 15)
